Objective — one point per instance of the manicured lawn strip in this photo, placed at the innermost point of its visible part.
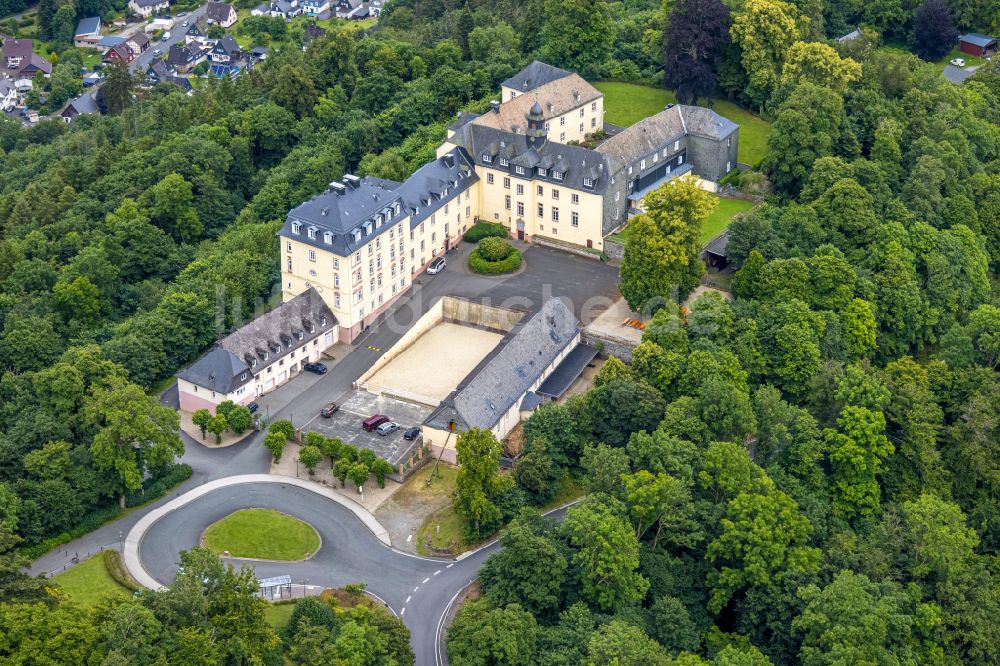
(627, 103)
(970, 60)
(278, 615)
(722, 216)
(444, 529)
(262, 534)
(88, 581)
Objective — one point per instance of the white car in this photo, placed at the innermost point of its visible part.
(436, 266)
(958, 62)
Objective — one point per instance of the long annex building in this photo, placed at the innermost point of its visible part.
(523, 163)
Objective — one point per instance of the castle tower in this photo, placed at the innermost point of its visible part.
(536, 126)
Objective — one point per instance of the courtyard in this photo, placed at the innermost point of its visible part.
(430, 368)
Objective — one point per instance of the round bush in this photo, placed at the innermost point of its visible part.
(494, 249)
(482, 230)
(508, 265)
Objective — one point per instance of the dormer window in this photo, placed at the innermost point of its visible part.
(267, 355)
(312, 232)
(322, 321)
(519, 170)
(503, 161)
(587, 182)
(243, 376)
(557, 175)
(487, 158)
(300, 335)
(395, 208)
(253, 363)
(296, 228)
(542, 172)
(327, 237)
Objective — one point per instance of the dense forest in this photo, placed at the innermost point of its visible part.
(807, 473)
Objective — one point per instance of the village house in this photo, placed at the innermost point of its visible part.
(351, 9)
(285, 9)
(9, 95)
(221, 13)
(184, 58)
(119, 53)
(146, 8)
(88, 32)
(16, 53)
(318, 9)
(138, 42)
(83, 104)
(261, 355)
(312, 32)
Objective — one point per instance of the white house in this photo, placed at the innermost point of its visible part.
(147, 8)
(9, 96)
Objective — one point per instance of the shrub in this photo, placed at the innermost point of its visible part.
(202, 418)
(358, 474)
(275, 443)
(495, 249)
(283, 426)
(367, 456)
(381, 469)
(482, 230)
(480, 265)
(115, 565)
(239, 419)
(310, 456)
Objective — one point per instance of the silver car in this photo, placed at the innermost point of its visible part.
(437, 266)
(387, 427)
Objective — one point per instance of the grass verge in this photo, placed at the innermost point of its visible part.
(262, 534)
(88, 581)
(278, 615)
(627, 103)
(722, 216)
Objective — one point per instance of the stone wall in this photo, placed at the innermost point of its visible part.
(492, 318)
(614, 249)
(609, 346)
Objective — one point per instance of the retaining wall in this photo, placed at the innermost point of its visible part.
(609, 346)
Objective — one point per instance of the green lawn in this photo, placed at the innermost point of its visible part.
(278, 615)
(262, 534)
(627, 103)
(970, 60)
(88, 581)
(722, 216)
(716, 222)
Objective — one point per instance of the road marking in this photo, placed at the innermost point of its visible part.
(407, 600)
(402, 612)
(426, 579)
(416, 588)
(410, 537)
(450, 565)
(437, 572)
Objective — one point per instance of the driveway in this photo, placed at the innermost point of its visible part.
(143, 60)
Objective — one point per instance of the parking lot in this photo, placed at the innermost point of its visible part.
(359, 405)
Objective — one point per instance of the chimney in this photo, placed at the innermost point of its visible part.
(494, 106)
(449, 160)
(352, 181)
(338, 188)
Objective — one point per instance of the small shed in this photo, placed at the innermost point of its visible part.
(976, 44)
(715, 251)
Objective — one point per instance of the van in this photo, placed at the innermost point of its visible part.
(165, 37)
(373, 422)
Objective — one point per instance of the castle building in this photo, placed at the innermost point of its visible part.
(523, 163)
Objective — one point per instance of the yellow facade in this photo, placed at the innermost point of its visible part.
(577, 123)
(542, 208)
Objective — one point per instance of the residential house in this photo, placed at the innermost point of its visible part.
(184, 58)
(91, 79)
(226, 50)
(88, 32)
(120, 53)
(159, 72)
(261, 355)
(35, 65)
(221, 13)
(375, 7)
(319, 9)
(535, 362)
(9, 95)
(286, 9)
(351, 9)
(109, 41)
(146, 8)
(16, 53)
(85, 103)
(197, 32)
(258, 53)
(138, 42)
(981, 46)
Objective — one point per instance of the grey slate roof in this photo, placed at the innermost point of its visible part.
(88, 26)
(505, 375)
(706, 122)
(464, 118)
(652, 133)
(575, 163)
(977, 39)
(453, 171)
(274, 335)
(854, 34)
(83, 104)
(149, 3)
(343, 208)
(226, 45)
(719, 244)
(534, 75)
(957, 74)
(218, 11)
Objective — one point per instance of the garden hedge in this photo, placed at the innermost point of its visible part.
(480, 265)
(482, 230)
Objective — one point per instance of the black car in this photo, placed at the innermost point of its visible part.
(411, 433)
(318, 368)
(330, 409)
(253, 407)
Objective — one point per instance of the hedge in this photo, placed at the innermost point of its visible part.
(482, 230)
(483, 267)
(154, 489)
(115, 564)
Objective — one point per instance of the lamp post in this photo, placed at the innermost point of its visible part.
(121, 541)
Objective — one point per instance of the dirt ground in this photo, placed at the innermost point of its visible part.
(405, 511)
(194, 432)
(436, 362)
(610, 323)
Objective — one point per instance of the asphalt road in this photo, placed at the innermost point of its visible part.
(418, 589)
(143, 60)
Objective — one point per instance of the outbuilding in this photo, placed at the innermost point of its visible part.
(978, 45)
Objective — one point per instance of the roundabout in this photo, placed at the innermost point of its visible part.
(262, 534)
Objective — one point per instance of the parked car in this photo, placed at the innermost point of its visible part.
(179, 14)
(186, 24)
(373, 422)
(253, 407)
(437, 266)
(330, 409)
(165, 36)
(411, 433)
(157, 52)
(958, 62)
(387, 427)
(318, 368)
